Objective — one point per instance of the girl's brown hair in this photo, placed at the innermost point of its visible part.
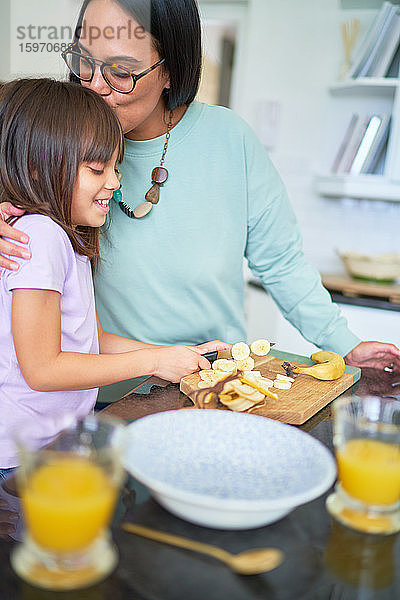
(47, 129)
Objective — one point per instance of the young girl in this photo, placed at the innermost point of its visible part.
(60, 145)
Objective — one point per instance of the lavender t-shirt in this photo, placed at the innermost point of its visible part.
(54, 266)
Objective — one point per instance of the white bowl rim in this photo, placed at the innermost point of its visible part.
(385, 258)
(159, 487)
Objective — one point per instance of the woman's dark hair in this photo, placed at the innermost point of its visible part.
(176, 32)
(47, 129)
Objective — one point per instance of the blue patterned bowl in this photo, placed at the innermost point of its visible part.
(224, 469)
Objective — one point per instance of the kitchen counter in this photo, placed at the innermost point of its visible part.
(323, 559)
(371, 311)
(345, 290)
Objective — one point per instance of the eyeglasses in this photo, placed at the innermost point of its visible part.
(119, 78)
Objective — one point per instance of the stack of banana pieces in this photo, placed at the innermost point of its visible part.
(242, 388)
(234, 382)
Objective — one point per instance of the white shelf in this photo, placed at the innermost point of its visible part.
(365, 83)
(366, 95)
(372, 187)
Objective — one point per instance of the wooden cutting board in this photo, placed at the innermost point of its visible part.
(306, 397)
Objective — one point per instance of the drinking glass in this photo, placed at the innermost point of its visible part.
(68, 493)
(367, 447)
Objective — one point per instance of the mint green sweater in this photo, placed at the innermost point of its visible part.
(176, 275)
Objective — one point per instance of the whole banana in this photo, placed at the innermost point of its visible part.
(329, 366)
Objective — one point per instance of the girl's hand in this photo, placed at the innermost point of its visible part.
(174, 362)
(211, 346)
(8, 210)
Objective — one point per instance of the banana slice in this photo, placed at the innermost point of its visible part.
(244, 390)
(264, 381)
(247, 364)
(224, 364)
(240, 351)
(256, 396)
(282, 385)
(238, 403)
(284, 378)
(208, 398)
(260, 347)
(220, 374)
(262, 389)
(253, 375)
(212, 377)
(204, 384)
(207, 374)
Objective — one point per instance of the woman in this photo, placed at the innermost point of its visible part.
(174, 274)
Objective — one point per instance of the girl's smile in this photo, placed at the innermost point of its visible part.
(103, 204)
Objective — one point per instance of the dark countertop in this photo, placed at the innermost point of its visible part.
(323, 559)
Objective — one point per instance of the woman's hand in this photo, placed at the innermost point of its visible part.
(8, 210)
(376, 355)
(174, 362)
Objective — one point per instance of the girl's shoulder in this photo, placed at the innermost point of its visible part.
(44, 232)
(52, 254)
(40, 224)
(28, 221)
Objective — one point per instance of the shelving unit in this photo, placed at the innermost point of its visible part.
(363, 96)
(368, 187)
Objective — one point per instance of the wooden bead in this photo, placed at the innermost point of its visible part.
(142, 209)
(159, 175)
(153, 194)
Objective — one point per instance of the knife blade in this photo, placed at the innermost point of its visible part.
(211, 356)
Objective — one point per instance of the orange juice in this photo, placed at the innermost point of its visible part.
(67, 503)
(369, 470)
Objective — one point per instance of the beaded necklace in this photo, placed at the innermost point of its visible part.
(159, 176)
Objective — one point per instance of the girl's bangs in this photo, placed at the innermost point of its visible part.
(100, 137)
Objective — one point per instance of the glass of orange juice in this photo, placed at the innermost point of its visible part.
(68, 493)
(367, 447)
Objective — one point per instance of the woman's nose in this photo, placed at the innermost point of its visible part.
(98, 83)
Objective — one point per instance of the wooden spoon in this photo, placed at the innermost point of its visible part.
(249, 562)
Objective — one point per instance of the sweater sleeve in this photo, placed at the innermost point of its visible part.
(275, 256)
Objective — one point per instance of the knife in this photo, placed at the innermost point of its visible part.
(213, 356)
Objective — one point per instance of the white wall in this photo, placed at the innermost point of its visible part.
(17, 16)
(292, 54)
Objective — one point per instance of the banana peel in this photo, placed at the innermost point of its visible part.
(329, 366)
